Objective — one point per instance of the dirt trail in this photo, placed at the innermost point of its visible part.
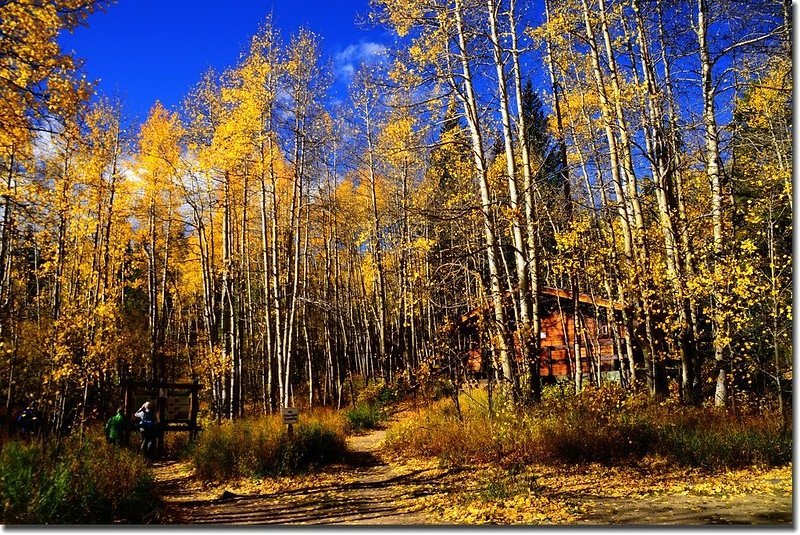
(365, 490)
(692, 510)
(370, 489)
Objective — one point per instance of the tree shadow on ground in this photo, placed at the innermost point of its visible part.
(377, 497)
(362, 459)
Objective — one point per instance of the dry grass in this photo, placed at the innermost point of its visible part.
(606, 425)
(74, 481)
(257, 447)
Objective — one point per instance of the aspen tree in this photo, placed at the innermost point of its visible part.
(470, 104)
(519, 209)
(618, 139)
(306, 82)
(763, 161)
(720, 201)
(530, 213)
(203, 109)
(658, 146)
(713, 172)
(367, 102)
(37, 78)
(397, 146)
(159, 163)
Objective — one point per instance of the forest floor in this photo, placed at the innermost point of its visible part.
(372, 488)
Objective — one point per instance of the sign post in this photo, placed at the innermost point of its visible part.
(291, 415)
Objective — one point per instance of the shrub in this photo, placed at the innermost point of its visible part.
(365, 416)
(176, 445)
(261, 447)
(378, 393)
(74, 481)
(717, 441)
(314, 445)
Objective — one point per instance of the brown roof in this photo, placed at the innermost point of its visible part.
(556, 292)
(583, 298)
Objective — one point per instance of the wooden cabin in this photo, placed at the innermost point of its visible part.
(601, 351)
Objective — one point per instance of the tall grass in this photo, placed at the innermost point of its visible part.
(74, 481)
(605, 425)
(260, 447)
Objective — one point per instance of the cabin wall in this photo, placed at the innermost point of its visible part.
(556, 358)
(557, 345)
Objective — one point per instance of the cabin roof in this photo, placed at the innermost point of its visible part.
(583, 298)
(558, 293)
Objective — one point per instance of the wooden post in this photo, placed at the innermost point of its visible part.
(193, 408)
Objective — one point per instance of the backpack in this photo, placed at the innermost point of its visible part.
(148, 422)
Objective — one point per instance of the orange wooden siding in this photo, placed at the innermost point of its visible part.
(555, 355)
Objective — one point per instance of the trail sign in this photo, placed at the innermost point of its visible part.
(291, 415)
(178, 404)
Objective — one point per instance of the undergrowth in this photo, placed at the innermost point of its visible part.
(74, 481)
(371, 404)
(258, 447)
(365, 416)
(605, 425)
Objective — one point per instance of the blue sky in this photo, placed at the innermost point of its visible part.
(148, 50)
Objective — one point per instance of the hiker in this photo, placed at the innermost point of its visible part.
(28, 421)
(148, 425)
(115, 427)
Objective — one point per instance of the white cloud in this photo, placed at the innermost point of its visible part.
(347, 61)
(47, 138)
